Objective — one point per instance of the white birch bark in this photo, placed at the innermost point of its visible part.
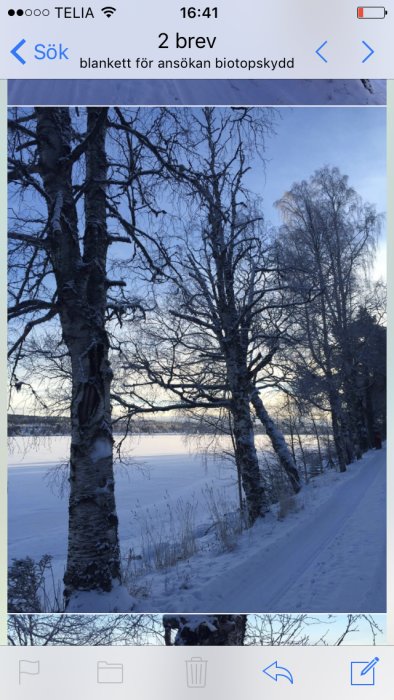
(93, 561)
(278, 442)
(205, 630)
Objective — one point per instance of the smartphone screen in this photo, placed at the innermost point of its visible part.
(197, 208)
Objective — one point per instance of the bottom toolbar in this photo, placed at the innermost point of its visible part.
(208, 672)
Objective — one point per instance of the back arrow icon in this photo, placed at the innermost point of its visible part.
(15, 53)
(370, 49)
(323, 58)
(274, 671)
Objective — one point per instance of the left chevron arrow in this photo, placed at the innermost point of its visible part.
(323, 58)
(15, 53)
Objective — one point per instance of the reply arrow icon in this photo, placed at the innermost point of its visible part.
(274, 672)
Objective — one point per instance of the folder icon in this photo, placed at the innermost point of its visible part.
(109, 673)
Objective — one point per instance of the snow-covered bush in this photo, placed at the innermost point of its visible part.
(28, 586)
(169, 538)
(287, 504)
(226, 519)
(275, 480)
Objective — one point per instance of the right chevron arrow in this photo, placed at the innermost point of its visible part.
(371, 51)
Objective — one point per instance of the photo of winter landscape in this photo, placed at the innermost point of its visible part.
(280, 629)
(197, 354)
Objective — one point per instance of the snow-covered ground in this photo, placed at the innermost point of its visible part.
(196, 92)
(164, 471)
(327, 555)
(330, 556)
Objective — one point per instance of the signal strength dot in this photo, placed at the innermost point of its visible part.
(108, 11)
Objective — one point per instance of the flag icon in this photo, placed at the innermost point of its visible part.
(29, 668)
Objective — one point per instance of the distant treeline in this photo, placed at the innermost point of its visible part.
(60, 425)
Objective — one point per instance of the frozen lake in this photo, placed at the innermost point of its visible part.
(163, 469)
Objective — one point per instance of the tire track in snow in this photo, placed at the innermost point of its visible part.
(284, 563)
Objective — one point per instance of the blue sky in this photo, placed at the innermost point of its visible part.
(354, 139)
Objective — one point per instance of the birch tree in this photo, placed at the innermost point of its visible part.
(82, 630)
(330, 235)
(369, 343)
(204, 630)
(66, 184)
(79, 298)
(280, 629)
(266, 630)
(217, 324)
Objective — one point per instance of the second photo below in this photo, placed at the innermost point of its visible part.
(197, 360)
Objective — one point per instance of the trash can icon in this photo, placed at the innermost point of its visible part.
(196, 672)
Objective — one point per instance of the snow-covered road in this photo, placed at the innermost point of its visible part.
(333, 560)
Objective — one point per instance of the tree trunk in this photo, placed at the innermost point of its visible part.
(242, 425)
(369, 416)
(336, 430)
(246, 456)
(93, 561)
(278, 442)
(205, 630)
(317, 442)
(352, 402)
(239, 475)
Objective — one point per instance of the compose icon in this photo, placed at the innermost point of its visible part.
(363, 672)
(109, 673)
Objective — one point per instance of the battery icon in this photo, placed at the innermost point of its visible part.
(371, 12)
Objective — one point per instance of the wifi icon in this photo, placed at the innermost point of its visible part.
(108, 11)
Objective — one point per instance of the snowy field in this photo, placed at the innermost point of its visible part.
(196, 92)
(327, 555)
